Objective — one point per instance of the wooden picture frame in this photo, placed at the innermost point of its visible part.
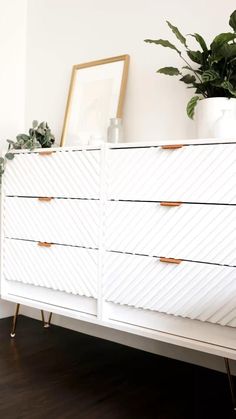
(96, 94)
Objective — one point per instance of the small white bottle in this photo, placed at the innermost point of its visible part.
(115, 131)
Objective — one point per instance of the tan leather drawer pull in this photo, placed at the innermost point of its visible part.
(171, 146)
(45, 153)
(170, 204)
(45, 198)
(44, 244)
(171, 260)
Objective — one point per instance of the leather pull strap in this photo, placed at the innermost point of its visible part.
(45, 153)
(44, 244)
(45, 198)
(170, 204)
(171, 146)
(170, 260)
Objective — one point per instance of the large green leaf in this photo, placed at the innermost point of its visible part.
(191, 105)
(227, 50)
(228, 86)
(210, 75)
(188, 79)
(222, 39)
(200, 40)
(163, 43)
(195, 56)
(177, 33)
(232, 20)
(169, 71)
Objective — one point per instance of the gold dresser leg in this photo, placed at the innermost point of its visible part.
(48, 323)
(13, 331)
(231, 383)
(43, 318)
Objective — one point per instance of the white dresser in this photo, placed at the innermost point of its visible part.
(135, 237)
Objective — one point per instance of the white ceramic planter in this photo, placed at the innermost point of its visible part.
(212, 120)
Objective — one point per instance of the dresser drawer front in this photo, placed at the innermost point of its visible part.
(205, 233)
(190, 174)
(64, 221)
(193, 290)
(62, 268)
(72, 174)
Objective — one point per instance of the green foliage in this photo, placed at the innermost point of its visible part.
(210, 75)
(170, 71)
(191, 106)
(177, 33)
(213, 68)
(163, 43)
(232, 21)
(39, 136)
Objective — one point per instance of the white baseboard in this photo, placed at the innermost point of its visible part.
(6, 309)
(149, 345)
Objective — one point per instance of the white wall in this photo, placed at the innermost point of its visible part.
(66, 32)
(12, 68)
(12, 79)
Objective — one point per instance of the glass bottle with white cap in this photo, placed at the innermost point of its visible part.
(115, 131)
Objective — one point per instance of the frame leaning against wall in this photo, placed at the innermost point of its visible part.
(96, 94)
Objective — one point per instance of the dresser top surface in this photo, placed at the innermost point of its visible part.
(133, 144)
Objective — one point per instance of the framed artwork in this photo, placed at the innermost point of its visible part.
(96, 94)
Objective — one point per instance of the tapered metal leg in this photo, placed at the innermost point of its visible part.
(48, 323)
(13, 331)
(43, 318)
(50, 319)
(231, 383)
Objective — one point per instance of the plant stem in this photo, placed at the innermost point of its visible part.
(203, 93)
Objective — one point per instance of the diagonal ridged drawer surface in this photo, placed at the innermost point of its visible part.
(72, 174)
(195, 173)
(197, 232)
(193, 290)
(62, 268)
(64, 221)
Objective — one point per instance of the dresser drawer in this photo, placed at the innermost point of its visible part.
(205, 233)
(193, 290)
(194, 173)
(64, 221)
(62, 268)
(72, 174)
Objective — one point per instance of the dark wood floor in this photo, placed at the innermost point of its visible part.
(60, 374)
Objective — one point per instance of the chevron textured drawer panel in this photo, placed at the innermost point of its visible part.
(71, 174)
(62, 268)
(193, 290)
(190, 174)
(197, 232)
(56, 221)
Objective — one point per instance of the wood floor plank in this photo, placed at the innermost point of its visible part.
(60, 374)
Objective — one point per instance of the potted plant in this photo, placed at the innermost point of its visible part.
(211, 71)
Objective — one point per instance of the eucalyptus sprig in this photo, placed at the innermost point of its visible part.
(215, 73)
(39, 136)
